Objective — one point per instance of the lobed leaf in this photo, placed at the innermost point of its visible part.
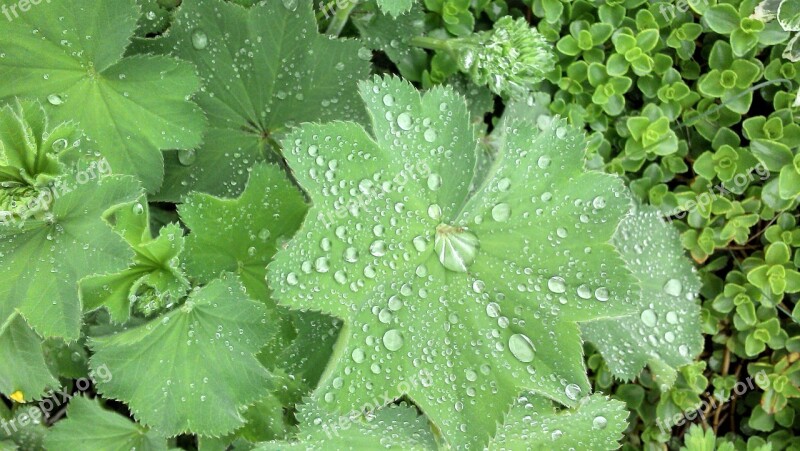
(457, 296)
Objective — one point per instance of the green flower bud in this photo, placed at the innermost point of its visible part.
(510, 59)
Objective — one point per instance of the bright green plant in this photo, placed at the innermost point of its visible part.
(229, 224)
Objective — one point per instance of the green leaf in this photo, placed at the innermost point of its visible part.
(789, 15)
(89, 426)
(200, 381)
(70, 53)
(24, 371)
(722, 18)
(666, 325)
(596, 423)
(416, 267)
(267, 214)
(394, 7)
(392, 34)
(43, 259)
(265, 69)
(396, 427)
(151, 282)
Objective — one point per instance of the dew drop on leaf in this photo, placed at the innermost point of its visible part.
(521, 347)
(673, 287)
(456, 247)
(393, 340)
(199, 39)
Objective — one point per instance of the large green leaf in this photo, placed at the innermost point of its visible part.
(70, 53)
(265, 69)
(595, 424)
(194, 368)
(90, 427)
(24, 372)
(458, 300)
(665, 329)
(396, 427)
(44, 258)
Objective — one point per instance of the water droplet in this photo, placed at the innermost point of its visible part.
(291, 5)
(264, 234)
(543, 162)
(601, 294)
(456, 247)
(521, 347)
(599, 202)
(395, 303)
(199, 39)
(358, 355)
(388, 100)
(584, 292)
(404, 121)
(393, 339)
(493, 310)
(187, 157)
(504, 184)
(55, 99)
(557, 284)
(435, 211)
(420, 243)
(599, 422)
(138, 208)
(672, 317)
(434, 182)
(364, 54)
(429, 135)
(59, 145)
(378, 248)
(649, 318)
(673, 287)
(572, 391)
(501, 212)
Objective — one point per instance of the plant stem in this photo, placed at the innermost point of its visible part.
(430, 43)
(340, 19)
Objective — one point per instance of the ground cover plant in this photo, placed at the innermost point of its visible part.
(366, 224)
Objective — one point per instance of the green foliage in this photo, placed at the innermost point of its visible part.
(217, 231)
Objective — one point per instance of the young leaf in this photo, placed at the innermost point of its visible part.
(395, 7)
(90, 426)
(596, 423)
(43, 259)
(198, 362)
(70, 53)
(665, 329)
(392, 427)
(152, 281)
(264, 68)
(483, 291)
(24, 373)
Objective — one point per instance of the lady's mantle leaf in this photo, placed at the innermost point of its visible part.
(264, 69)
(595, 424)
(241, 235)
(89, 426)
(70, 53)
(392, 427)
(152, 281)
(43, 259)
(24, 370)
(460, 301)
(665, 329)
(194, 368)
